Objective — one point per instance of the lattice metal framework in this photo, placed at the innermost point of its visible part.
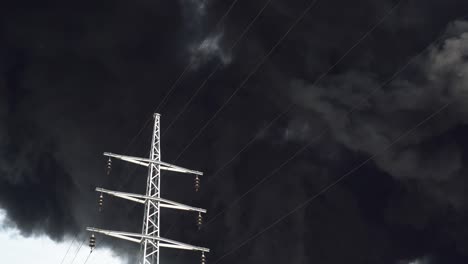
(150, 239)
(151, 224)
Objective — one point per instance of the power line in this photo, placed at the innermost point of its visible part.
(87, 258)
(250, 142)
(334, 183)
(200, 131)
(193, 62)
(312, 4)
(301, 149)
(79, 248)
(289, 108)
(69, 247)
(243, 83)
(393, 77)
(218, 66)
(174, 85)
(189, 65)
(265, 128)
(210, 121)
(206, 80)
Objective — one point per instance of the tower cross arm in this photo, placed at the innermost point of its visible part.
(142, 199)
(138, 238)
(145, 162)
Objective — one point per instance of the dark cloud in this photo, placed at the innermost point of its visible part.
(79, 78)
(71, 75)
(429, 154)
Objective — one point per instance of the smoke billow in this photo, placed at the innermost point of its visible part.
(397, 207)
(79, 78)
(70, 76)
(380, 114)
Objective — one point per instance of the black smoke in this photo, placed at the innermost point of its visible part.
(82, 77)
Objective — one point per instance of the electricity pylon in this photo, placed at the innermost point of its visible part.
(150, 239)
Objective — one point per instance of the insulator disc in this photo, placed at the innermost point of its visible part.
(92, 241)
(100, 202)
(199, 221)
(197, 183)
(203, 258)
(109, 166)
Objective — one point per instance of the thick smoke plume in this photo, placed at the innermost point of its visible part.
(380, 114)
(79, 78)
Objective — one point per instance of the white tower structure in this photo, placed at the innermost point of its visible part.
(150, 239)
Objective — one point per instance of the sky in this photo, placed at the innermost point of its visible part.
(43, 250)
(336, 138)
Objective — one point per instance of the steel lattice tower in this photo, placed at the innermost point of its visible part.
(150, 239)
